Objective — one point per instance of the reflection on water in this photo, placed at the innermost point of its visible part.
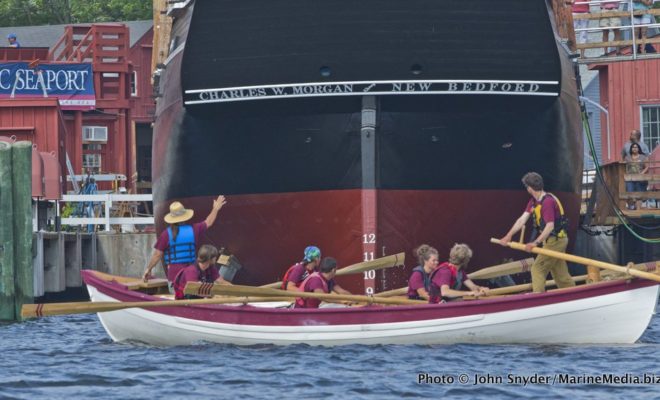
(72, 357)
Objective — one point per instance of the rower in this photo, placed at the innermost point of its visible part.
(419, 281)
(299, 271)
(321, 281)
(551, 225)
(203, 270)
(449, 277)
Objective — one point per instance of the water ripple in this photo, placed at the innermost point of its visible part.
(72, 357)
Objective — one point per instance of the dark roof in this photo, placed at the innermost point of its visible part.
(48, 35)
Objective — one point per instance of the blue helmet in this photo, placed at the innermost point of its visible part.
(312, 253)
(11, 36)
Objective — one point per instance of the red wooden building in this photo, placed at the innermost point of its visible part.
(630, 91)
(112, 137)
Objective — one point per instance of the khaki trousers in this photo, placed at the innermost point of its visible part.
(544, 264)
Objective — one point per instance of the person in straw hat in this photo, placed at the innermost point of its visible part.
(177, 245)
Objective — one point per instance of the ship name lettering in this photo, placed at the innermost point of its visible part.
(232, 94)
(411, 87)
(493, 87)
(317, 89)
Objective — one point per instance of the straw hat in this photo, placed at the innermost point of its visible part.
(178, 213)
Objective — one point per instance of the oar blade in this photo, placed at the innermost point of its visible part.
(495, 271)
(379, 263)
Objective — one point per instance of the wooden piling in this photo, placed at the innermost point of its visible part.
(7, 305)
(22, 210)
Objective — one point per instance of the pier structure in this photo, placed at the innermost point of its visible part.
(58, 257)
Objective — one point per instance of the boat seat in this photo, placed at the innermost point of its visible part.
(150, 284)
(133, 283)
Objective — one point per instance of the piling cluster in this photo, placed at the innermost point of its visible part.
(16, 275)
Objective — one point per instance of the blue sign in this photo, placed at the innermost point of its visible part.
(71, 84)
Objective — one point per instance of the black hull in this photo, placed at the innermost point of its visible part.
(437, 151)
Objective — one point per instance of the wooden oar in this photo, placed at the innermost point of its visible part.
(509, 268)
(206, 289)
(373, 265)
(583, 261)
(49, 309)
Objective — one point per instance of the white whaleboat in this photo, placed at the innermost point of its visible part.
(617, 311)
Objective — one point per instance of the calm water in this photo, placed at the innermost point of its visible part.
(72, 357)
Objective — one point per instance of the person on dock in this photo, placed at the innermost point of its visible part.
(550, 221)
(580, 7)
(448, 279)
(177, 244)
(610, 23)
(13, 41)
(204, 270)
(645, 19)
(321, 281)
(636, 164)
(635, 137)
(299, 271)
(419, 282)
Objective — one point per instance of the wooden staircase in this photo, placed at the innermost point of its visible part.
(106, 46)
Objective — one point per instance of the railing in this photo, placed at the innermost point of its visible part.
(589, 178)
(624, 49)
(646, 203)
(113, 210)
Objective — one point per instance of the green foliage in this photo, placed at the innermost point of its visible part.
(68, 210)
(43, 12)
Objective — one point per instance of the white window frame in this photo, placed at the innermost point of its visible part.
(91, 133)
(134, 84)
(645, 126)
(95, 158)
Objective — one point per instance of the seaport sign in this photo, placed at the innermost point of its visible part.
(71, 84)
(528, 88)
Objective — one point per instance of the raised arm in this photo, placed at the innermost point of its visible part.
(217, 205)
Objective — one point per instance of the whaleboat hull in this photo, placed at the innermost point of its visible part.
(608, 312)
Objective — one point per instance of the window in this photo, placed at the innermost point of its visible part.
(95, 133)
(92, 161)
(134, 84)
(651, 126)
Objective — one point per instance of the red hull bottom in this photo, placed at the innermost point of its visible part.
(268, 232)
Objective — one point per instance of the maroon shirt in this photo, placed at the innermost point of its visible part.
(163, 244)
(415, 282)
(446, 274)
(192, 273)
(297, 275)
(549, 208)
(315, 281)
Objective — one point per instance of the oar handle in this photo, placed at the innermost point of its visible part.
(51, 309)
